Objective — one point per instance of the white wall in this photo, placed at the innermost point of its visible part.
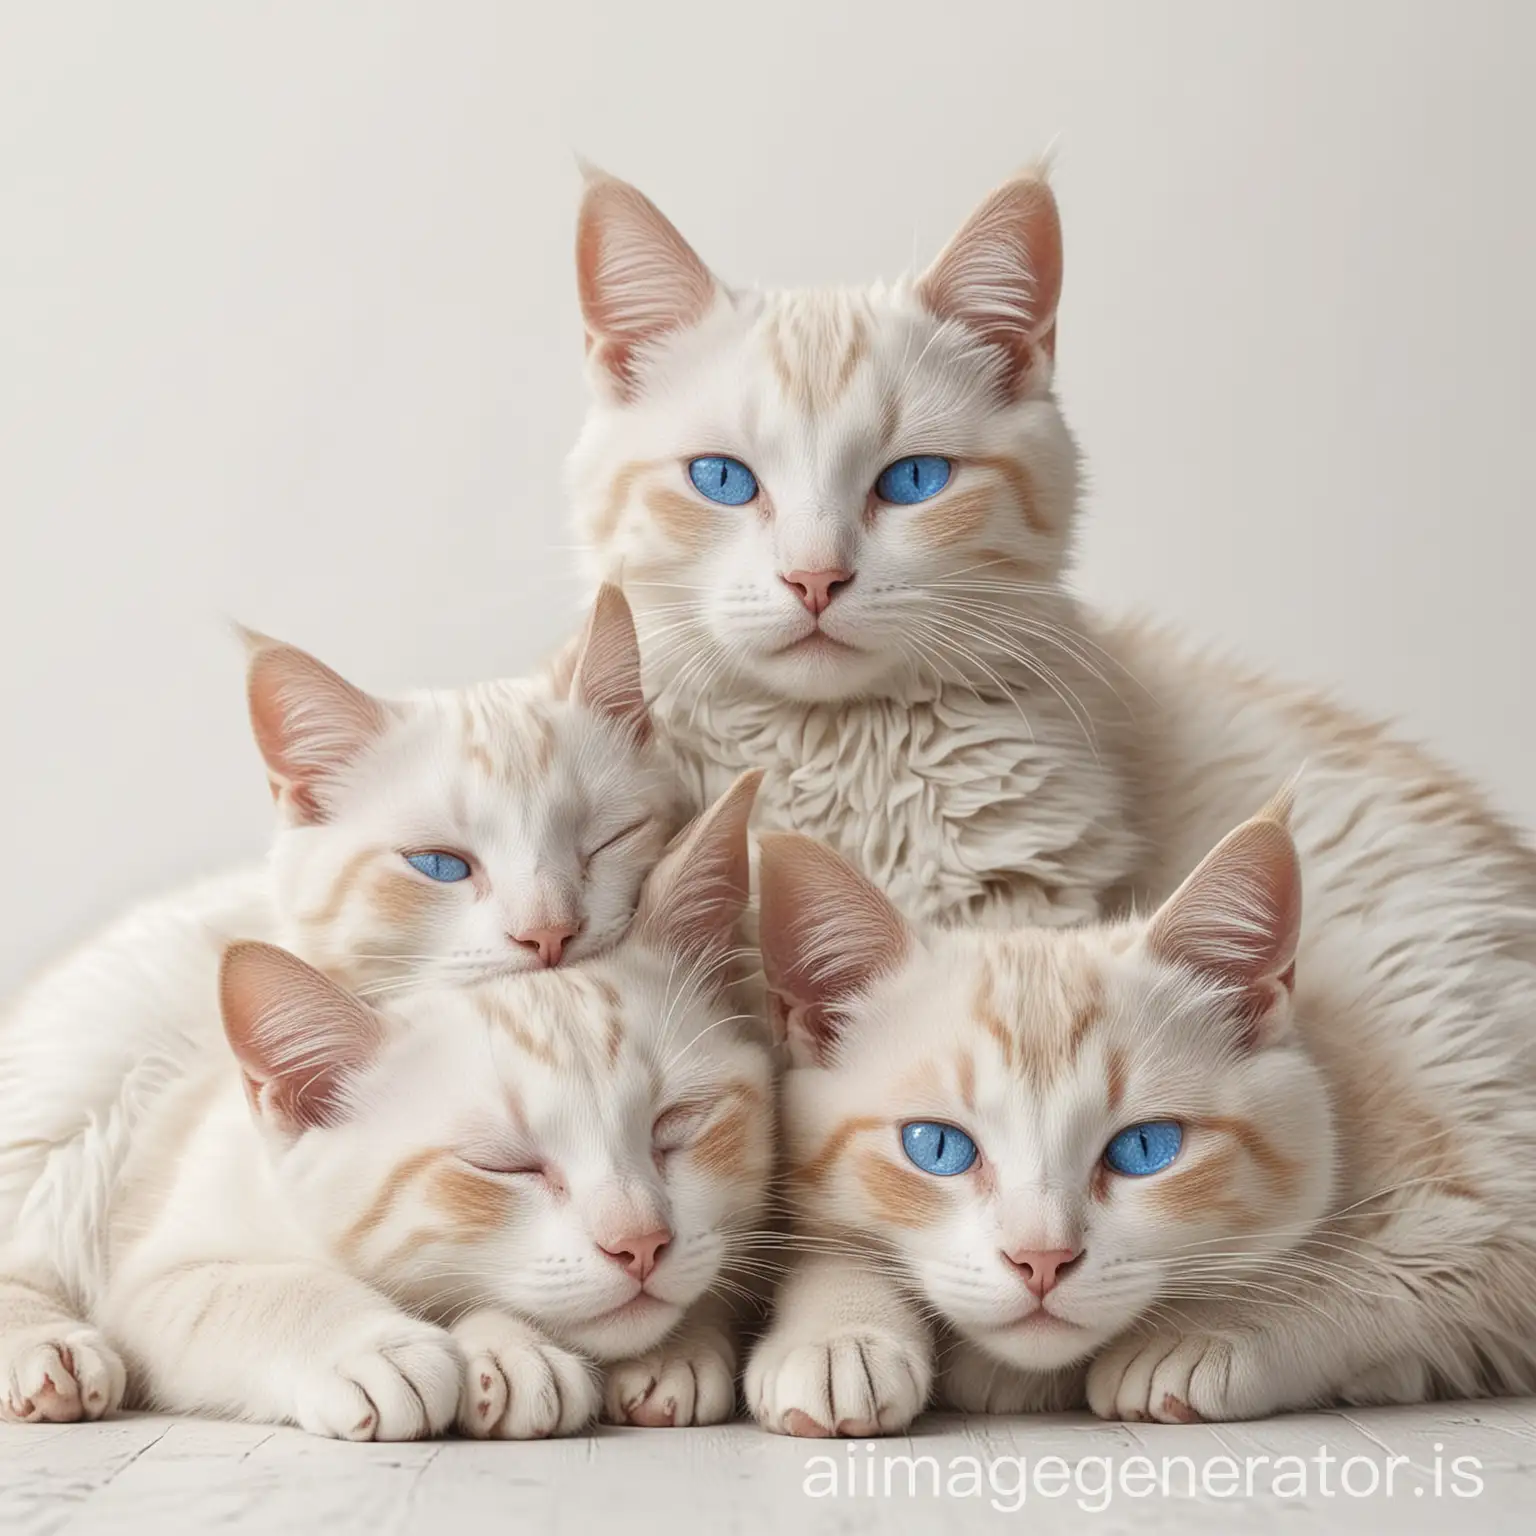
(287, 331)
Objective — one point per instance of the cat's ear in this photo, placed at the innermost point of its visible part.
(1236, 920)
(695, 896)
(1001, 276)
(308, 721)
(606, 677)
(637, 278)
(826, 934)
(297, 1036)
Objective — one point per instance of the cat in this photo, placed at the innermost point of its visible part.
(378, 1223)
(844, 521)
(439, 838)
(1212, 1163)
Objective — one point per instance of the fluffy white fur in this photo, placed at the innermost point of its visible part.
(561, 804)
(990, 754)
(946, 723)
(1349, 1216)
(378, 1223)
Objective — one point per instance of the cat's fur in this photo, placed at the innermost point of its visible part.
(561, 804)
(1351, 1215)
(960, 739)
(939, 750)
(379, 1222)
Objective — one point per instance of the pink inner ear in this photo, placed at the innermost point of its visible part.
(694, 899)
(297, 1036)
(607, 676)
(308, 722)
(1237, 918)
(1001, 275)
(637, 278)
(826, 934)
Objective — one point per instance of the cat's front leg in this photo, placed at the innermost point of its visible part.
(286, 1343)
(972, 1381)
(54, 1367)
(847, 1353)
(688, 1379)
(518, 1384)
(1181, 1378)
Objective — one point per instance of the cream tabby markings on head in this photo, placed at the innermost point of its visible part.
(377, 1222)
(1213, 1163)
(553, 800)
(902, 659)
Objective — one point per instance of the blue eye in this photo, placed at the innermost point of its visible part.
(1142, 1149)
(912, 480)
(728, 481)
(446, 867)
(941, 1149)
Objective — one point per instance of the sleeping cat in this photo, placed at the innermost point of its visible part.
(380, 1222)
(1215, 1163)
(844, 518)
(439, 838)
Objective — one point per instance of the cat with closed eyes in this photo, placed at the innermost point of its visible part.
(1250, 1153)
(436, 838)
(447, 1210)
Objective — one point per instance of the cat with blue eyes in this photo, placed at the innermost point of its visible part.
(432, 839)
(843, 520)
(1216, 1162)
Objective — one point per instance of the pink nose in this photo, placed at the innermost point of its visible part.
(639, 1254)
(816, 589)
(547, 943)
(1042, 1272)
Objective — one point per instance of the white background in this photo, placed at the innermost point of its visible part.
(288, 333)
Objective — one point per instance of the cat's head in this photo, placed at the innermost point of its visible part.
(820, 492)
(450, 835)
(586, 1147)
(1052, 1131)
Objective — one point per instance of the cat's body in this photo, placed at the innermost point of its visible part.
(845, 521)
(910, 673)
(376, 1223)
(1348, 1214)
(558, 805)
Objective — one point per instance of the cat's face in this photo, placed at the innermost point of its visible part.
(448, 836)
(1052, 1131)
(585, 1147)
(825, 493)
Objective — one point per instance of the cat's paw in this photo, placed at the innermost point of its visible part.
(518, 1385)
(1172, 1378)
(390, 1378)
(682, 1382)
(975, 1382)
(58, 1375)
(855, 1384)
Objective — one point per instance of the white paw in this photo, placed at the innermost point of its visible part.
(391, 1378)
(975, 1382)
(518, 1385)
(686, 1382)
(856, 1384)
(58, 1375)
(1179, 1379)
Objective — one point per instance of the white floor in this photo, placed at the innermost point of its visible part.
(159, 1475)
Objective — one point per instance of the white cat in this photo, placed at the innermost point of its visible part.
(376, 1223)
(843, 519)
(438, 838)
(1240, 1159)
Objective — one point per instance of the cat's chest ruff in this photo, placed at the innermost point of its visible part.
(947, 801)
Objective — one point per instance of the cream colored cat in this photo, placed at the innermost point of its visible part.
(377, 1223)
(435, 839)
(843, 518)
(1239, 1158)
